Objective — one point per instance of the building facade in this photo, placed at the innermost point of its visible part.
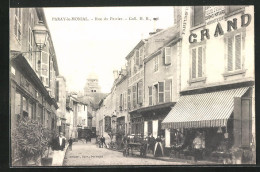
(217, 76)
(61, 100)
(32, 76)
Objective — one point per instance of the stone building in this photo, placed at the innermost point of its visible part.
(32, 73)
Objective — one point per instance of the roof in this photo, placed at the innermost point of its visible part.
(203, 110)
(140, 43)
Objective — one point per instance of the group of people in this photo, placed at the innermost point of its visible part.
(148, 144)
(101, 141)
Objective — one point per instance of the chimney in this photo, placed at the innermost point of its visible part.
(154, 23)
(115, 73)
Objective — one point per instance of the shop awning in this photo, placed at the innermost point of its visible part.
(203, 110)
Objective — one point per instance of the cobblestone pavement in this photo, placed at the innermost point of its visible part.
(89, 154)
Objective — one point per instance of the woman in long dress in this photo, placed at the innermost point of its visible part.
(158, 148)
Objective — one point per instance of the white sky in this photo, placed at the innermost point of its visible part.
(100, 46)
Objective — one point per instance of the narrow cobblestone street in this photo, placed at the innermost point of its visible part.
(89, 154)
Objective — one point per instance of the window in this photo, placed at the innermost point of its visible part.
(25, 107)
(17, 109)
(167, 55)
(231, 9)
(197, 62)
(234, 50)
(17, 23)
(156, 63)
(198, 15)
(161, 92)
(150, 90)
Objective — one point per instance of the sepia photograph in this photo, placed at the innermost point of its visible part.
(132, 86)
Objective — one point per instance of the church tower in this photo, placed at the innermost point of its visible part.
(92, 85)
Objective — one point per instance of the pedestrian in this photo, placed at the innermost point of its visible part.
(158, 148)
(126, 141)
(197, 146)
(143, 147)
(70, 143)
(86, 138)
(103, 141)
(151, 143)
(58, 146)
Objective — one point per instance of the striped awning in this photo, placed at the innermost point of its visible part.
(203, 110)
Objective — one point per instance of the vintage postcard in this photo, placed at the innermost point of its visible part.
(158, 85)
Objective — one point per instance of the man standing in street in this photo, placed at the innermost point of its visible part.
(103, 141)
(58, 150)
(70, 143)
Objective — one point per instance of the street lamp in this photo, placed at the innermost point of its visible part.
(40, 33)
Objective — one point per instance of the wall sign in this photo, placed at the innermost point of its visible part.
(214, 14)
(231, 25)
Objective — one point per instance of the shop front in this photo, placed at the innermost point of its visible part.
(211, 125)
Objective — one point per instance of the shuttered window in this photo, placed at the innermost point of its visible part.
(167, 55)
(198, 15)
(234, 53)
(161, 92)
(167, 91)
(17, 23)
(197, 62)
(150, 90)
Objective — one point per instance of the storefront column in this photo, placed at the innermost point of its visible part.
(167, 137)
(145, 128)
(155, 128)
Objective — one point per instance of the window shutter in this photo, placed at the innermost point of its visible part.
(44, 64)
(150, 95)
(238, 51)
(129, 98)
(125, 106)
(140, 92)
(200, 62)
(230, 54)
(141, 55)
(161, 92)
(193, 72)
(167, 56)
(57, 91)
(167, 90)
(137, 57)
(198, 15)
(134, 96)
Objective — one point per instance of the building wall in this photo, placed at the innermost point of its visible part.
(164, 72)
(215, 62)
